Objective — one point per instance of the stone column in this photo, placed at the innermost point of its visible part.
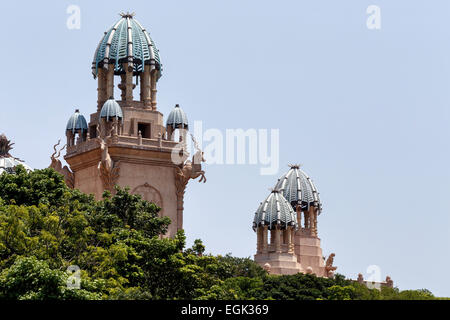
(123, 86)
(298, 210)
(129, 84)
(277, 240)
(146, 88)
(110, 81)
(153, 88)
(314, 218)
(264, 242)
(290, 243)
(180, 208)
(259, 239)
(286, 238)
(306, 213)
(101, 88)
(170, 133)
(70, 138)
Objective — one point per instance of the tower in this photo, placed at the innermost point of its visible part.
(125, 142)
(275, 223)
(297, 190)
(300, 191)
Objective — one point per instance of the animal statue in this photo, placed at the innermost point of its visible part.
(57, 166)
(360, 278)
(106, 158)
(329, 268)
(389, 282)
(193, 169)
(190, 170)
(108, 169)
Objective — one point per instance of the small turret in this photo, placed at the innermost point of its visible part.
(76, 125)
(177, 119)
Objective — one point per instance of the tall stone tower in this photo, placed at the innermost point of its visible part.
(125, 142)
(301, 243)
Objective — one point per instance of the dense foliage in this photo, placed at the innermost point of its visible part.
(117, 243)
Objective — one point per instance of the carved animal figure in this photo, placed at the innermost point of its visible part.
(193, 169)
(106, 158)
(329, 268)
(330, 260)
(108, 169)
(57, 165)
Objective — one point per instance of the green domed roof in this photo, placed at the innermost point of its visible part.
(111, 109)
(299, 189)
(77, 122)
(275, 210)
(177, 118)
(127, 41)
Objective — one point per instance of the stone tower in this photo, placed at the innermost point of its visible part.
(298, 190)
(125, 141)
(276, 219)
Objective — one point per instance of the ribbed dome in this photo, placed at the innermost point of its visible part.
(8, 162)
(299, 189)
(275, 210)
(177, 118)
(111, 109)
(77, 122)
(127, 41)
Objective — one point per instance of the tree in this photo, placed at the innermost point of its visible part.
(32, 279)
(45, 227)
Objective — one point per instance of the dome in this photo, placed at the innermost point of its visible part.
(8, 162)
(111, 109)
(77, 122)
(298, 189)
(177, 118)
(127, 41)
(275, 210)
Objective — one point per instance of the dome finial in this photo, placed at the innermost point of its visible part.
(127, 15)
(295, 166)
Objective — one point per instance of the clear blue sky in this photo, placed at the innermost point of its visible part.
(365, 111)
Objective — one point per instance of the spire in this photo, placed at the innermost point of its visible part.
(127, 15)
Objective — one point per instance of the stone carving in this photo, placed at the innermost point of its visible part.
(5, 146)
(190, 169)
(329, 268)
(389, 282)
(360, 278)
(267, 267)
(57, 165)
(109, 170)
(183, 173)
(149, 193)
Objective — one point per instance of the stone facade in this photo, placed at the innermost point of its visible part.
(126, 142)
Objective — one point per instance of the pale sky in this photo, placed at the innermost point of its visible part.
(365, 111)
